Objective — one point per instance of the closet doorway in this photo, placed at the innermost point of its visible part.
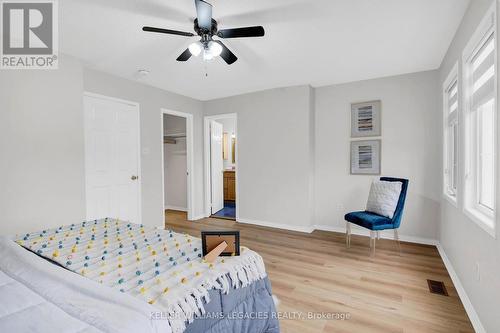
(177, 152)
(221, 166)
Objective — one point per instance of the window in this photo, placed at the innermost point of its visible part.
(450, 139)
(480, 90)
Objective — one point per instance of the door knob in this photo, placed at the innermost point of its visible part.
(134, 177)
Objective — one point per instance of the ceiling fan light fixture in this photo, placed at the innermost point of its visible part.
(215, 48)
(195, 48)
(207, 55)
(206, 27)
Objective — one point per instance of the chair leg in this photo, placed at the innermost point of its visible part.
(396, 238)
(348, 235)
(372, 242)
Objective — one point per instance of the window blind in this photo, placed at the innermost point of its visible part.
(453, 97)
(483, 74)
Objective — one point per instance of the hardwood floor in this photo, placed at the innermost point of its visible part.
(315, 273)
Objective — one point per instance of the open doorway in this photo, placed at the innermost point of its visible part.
(221, 166)
(177, 161)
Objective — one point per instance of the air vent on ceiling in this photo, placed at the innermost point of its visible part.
(437, 287)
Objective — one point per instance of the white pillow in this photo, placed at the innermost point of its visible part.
(383, 198)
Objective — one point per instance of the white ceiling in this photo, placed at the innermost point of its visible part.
(317, 42)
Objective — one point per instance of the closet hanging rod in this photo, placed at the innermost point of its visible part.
(176, 135)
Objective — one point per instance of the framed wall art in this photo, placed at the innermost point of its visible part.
(366, 119)
(365, 157)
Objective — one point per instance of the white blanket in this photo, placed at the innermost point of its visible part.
(37, 296)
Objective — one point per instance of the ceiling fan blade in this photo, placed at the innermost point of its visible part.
(168, 31)
(184, 56)
(226, 54)
(204, 14)
(256, 31)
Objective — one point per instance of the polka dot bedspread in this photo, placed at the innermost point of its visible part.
(162, 267)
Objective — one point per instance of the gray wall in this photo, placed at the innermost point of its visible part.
(41, 140)
(295, 133)
(41, 145)
(295, 141)
(151, 100)
(465, 243)
(410, 133)
(273, 154)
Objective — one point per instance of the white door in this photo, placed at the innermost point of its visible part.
(217, 166)
(112, 159)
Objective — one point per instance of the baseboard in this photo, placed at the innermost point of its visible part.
(469, 308)
(178, 208)
(305, 229)
(198, 217)
(355, 231)
(388, 234)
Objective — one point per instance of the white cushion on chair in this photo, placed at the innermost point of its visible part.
(383, 198)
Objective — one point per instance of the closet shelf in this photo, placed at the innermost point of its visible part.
(172, 138)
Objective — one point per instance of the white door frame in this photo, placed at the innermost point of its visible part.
(139, 171)
(206, 157)
(189, 159)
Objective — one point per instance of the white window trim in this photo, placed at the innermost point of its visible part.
(485, 221)
(452, 77)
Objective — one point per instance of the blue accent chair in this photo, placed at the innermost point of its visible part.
(375, 222)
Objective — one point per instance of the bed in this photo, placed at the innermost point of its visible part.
(112, 276)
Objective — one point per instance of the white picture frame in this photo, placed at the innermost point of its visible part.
(366, 157)
(366, 119)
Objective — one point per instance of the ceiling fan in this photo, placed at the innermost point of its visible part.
(206, 27)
